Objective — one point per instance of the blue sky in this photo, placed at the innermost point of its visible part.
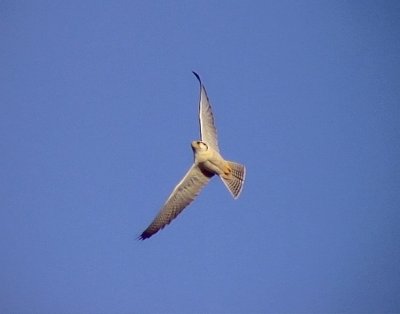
(98, 110)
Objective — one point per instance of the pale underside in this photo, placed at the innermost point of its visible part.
(195, 179)
(208, 132)
(183, 194)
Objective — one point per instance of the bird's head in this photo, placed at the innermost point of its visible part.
(199, 146)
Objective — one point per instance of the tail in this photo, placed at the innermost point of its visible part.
(234, 178)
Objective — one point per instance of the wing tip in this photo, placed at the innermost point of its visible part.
(197, 76)
(145, 235)
(141, 238)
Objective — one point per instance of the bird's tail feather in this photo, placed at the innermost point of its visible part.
(235, 178)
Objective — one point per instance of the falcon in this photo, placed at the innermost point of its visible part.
(207, 163)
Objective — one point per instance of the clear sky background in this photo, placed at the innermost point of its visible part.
(98, 109)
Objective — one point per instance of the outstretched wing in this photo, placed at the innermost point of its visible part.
(208, 132)
(183, 194)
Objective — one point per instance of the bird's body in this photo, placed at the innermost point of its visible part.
(207, 163)
(207, 159)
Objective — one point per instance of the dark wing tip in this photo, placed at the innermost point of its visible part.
(145, 235)
(198, 76)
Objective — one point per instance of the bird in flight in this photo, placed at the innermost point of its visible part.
(207, 163)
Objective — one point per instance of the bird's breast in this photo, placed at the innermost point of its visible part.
(210, 161)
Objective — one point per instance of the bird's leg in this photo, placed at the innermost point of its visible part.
(227, 171)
